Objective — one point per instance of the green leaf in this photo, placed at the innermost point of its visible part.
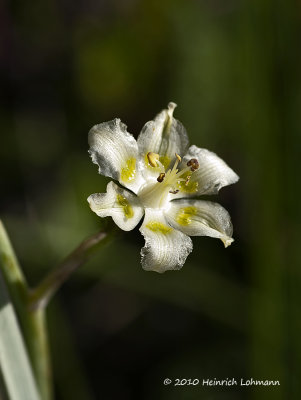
(14, 362)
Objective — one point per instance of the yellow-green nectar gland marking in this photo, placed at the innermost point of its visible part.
(188, 186)
(165, 161)
(185, 214)
(158, 227)
(128, 173)
(127, 208)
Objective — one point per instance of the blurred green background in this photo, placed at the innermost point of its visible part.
(233, 68)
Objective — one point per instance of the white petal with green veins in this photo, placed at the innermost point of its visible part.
(200, 218)
(115, 151)
(165, 136)
(120, 204)
(213, 173)
(165, 248)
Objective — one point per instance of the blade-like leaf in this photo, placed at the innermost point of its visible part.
(14, 362)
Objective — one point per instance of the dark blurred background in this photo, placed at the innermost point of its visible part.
(233, 68)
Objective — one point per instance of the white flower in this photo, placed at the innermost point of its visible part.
(161, 186)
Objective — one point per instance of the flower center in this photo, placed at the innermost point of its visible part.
(157, 194)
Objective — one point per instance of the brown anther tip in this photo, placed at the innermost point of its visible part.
(161, 177)
(174, 191)
(194, 164)
(178, 157)
(153, 158)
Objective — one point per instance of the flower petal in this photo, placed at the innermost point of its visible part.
(165, 248)
(120, 204)
(164, 136)
(115, 151)
(213, 173)
(200, 218)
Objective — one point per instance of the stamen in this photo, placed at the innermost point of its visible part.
(193, 164)
(183, 171)
(156, 195)
(161, 177)
(178, 157)
(153, 158)
(174, 168)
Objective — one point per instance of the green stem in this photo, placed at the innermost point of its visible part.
(37, 341)
(41, 295)
(12, 272)
(32, 323)
(30, 304)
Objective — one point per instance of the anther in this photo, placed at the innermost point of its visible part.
(193, 164)
(178, 157)
(174, 191)
(153, 158)
(161, 177)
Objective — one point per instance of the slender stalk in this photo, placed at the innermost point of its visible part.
(40, 296)
(38, 348)
(12, 272)
(32, 323)
(30, 304)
